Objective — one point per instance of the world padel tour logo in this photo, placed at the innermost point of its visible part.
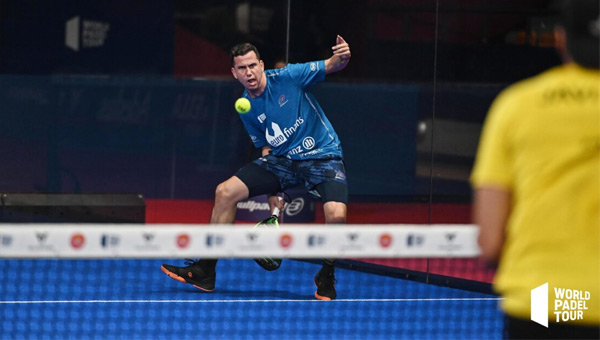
(569, 304)
(84, 33)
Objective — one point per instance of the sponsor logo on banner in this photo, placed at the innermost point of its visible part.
(252, 242)
(109, 241)
(41, 238)
(214, 240)
(252, 237)
(352, 242)
(148, 243)
(385, 240)
(77, 241)
(252, 205)
(183, 240)
(415, 240)
(569, 304)
(315, 240)
(451, 243)
(295, 206)
(286, 240)
(6, 240)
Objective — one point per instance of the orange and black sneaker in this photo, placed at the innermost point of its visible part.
(325, 282)
(194, 273)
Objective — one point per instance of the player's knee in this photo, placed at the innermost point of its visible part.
(224, 193)
(336, 214)
(337, 219)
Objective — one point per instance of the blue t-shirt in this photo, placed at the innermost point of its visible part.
(288, 118)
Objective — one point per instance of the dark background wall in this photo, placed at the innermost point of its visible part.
(137, 96)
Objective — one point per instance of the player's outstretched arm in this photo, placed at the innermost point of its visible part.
(340, 58)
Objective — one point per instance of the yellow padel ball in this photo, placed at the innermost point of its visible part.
(242, 105)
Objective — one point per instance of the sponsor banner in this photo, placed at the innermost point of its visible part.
(185, 241)
(443, 240)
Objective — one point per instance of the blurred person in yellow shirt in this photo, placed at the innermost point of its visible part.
(536, 185)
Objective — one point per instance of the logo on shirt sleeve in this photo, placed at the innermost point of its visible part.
(262, 117)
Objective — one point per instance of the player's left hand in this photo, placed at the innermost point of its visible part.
(341, 49)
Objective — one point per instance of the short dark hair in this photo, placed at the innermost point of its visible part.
(243, 49)
(580, 20)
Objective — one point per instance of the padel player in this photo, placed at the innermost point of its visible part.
(299, 146)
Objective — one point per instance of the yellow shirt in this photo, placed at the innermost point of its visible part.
(541, 142)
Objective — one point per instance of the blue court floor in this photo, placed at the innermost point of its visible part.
(134, 299)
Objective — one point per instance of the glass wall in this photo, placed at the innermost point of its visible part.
(410, 105)
(142, 101)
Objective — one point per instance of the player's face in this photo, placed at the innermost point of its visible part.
(248, 70)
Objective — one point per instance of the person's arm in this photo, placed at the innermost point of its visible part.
(340, 58)
(491, 209)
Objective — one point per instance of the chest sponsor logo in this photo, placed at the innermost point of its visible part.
(308, 143)
(277, 138)
(280, 136)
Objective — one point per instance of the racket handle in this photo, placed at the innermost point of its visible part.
(276, 210)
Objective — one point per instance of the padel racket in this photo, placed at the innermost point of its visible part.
(268, 263)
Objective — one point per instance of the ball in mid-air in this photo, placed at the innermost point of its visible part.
(242, 105)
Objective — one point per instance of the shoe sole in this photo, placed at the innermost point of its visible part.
(319, 297)
(322, 298)
(181, 279)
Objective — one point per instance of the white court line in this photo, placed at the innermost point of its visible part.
(23, 302)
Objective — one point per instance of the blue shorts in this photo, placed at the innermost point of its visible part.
(325, 178)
